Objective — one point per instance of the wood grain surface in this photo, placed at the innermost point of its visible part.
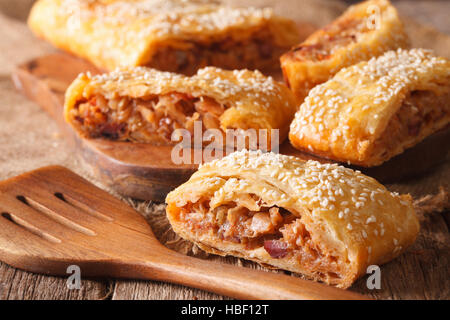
(25, 131)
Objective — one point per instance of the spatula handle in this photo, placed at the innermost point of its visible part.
(238, 282)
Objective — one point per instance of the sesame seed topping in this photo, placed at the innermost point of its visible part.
(308, 191)
(252, 86)
(313, 186)
(371, 219)
(390, 76)
(164, 18)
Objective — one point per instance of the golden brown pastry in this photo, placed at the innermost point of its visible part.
(147, 105)
(170, 35)
(364, 31)
(372, 111)
(322, 220)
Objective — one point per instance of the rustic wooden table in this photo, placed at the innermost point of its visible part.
(421, 273)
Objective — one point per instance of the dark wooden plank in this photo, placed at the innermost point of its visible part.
(421, 273)
(141, 290)
(20, 285)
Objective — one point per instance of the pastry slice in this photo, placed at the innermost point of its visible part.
(171, 35)
(364, 31)
(149, 106)
(324, 221)
(372, 111)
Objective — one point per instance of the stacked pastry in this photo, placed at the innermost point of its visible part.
(363, 98)
(322, 220)
(364, 31)
(169, 35)
(150, 106)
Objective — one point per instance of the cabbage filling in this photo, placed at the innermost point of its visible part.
(419, 110)
(256, 52)
(337, 35)
(146, 119)
(251, 224)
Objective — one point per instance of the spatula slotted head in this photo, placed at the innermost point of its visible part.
(51, 218)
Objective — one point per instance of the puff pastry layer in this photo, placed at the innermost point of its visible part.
(170, 35)
(376, 109)
(147, 105)
(364, 31)
(322, 220)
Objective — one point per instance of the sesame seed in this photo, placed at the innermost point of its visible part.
(165, 18)
(371, 219)
(223, 84)
(310, 184)
(392, 75)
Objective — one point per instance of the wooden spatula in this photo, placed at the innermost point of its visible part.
(52, 218)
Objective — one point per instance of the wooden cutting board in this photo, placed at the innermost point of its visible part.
(145, 171)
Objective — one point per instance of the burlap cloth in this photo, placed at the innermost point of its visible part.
(30, 139)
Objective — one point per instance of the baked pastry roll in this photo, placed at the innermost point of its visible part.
(170, 35)
(376, 109)
(324, 221)
(364, 31)
(147, 105)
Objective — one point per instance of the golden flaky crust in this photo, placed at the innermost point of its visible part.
(120, 33)
(349, 216)
(353, 116)
(364, 31)
(253, 100)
